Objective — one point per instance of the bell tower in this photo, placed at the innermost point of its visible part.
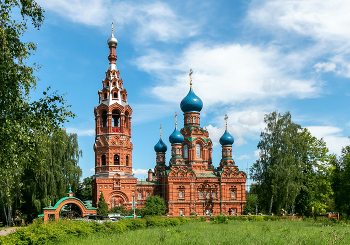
(113, 147)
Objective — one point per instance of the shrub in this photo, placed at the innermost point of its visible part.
(102, 207)
(220, 219)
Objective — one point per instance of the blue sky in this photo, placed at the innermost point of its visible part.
(249, 58)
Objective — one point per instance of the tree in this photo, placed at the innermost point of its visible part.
(154, 206)
(84, 191)
(290, 164)
(60, 156)
(102, 206)
(24, 125)
(340, 180)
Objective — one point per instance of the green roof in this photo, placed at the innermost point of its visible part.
(191, 139)
(206, 175)
(145, 183)
(67, 198)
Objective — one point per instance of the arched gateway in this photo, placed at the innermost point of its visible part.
(55, 210)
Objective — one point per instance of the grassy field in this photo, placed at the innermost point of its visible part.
(236, 232)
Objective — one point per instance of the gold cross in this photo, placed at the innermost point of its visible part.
(191, 72)
(226, 117)
(112, 27)
(175, 120)
(160, 129)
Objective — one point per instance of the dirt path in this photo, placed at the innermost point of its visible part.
(8, 230)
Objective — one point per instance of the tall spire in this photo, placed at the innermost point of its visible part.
(191, 72)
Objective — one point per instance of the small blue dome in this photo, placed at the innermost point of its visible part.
(191, 103)
(226, 139)
(160, 147)
(176, 137)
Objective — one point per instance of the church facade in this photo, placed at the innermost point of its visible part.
(189, 183)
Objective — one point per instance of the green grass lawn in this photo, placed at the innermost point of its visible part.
(236, 232)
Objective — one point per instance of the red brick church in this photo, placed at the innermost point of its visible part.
(189, 183)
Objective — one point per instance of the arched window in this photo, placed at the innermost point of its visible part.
(107, 84)
(115, 118)
(177, 151)
(113, 83)
(194, 119)
(207, 194)
(104, 119)
(115, 95)
(103, 159)
(140, 195)
(233, 194)
(116, 159)
(127, 160)
(181, 194)
(213, 194)
(198, 151)
(185, 151)
(105, 96)
(188, 120)
(200, 194)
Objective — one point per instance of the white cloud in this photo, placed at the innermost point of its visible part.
(140, 171)
(155, 20)
(243, 157)
(323, 23)
(257, 153)
(320, 19)
(92, 170)
(332, 136)
(226, 74)
(81, 132)
(325, 67)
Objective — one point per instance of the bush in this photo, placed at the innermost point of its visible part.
(220, 219)
(154, 206)
(102, 206)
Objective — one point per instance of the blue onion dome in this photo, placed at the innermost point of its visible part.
(160, 147)
(112, 41)
(226, 139)
(176, 137)
(191, 103)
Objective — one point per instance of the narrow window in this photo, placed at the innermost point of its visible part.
(194, 120)
(113, 83)
(140, 196)
(201, 194)
(185, 151)
(103, 159)
(116, 159)
(105, 96)
(181, 194)
(188, 120)
(104, 119)
(115, 95)
(207, 194)
(148, 195)
(233, 195)
(213, 194)
(198, 151)
(127, 160)
(181, 212)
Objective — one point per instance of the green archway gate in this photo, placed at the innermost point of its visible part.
(55, 210)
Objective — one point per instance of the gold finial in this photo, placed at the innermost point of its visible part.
(175, 120)
(191, 72)
(160, 130)
(112, 26)
(226, 117)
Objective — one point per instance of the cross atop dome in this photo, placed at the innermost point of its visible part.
(226, 117)
(190, 74)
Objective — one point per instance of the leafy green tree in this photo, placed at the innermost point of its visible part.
(292, 168)
(154, 206)
(102, 206)
(61, 156)
(24, 125)
(249, 207)
(84, 191)
(340, 181)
